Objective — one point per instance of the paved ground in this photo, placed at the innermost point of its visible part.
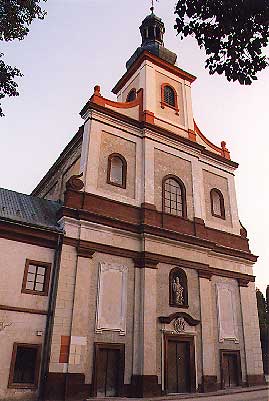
(261, 395)
(253, 394)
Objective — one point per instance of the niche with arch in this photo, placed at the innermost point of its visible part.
(117, 170)
(131, 95)
(178, 288)
(217, 203)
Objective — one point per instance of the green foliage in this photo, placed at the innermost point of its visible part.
(15, 19)
(232, 32)
(8, 87)
(263, 311)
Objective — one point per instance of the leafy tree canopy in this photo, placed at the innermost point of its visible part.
(232, 32)
(15, 19)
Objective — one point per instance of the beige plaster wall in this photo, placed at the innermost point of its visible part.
(228, 344)
(166, 113)
(54, 188)
(212, 180)
(107, 336)
(22, 326)
(76, 312)
(114, 144)
(22, 330)
(12, 264)
(165, 164)
(254, 365)
(64, 305)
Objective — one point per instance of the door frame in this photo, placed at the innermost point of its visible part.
(97, 347)
(180, 338)
(238, 360)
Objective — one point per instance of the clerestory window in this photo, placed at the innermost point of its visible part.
(174, 196)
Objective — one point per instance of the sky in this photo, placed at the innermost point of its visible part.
(82, 43)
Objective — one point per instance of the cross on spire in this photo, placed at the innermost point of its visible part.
(152, 6)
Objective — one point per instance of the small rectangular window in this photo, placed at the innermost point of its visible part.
(24, 368)
(36, 277)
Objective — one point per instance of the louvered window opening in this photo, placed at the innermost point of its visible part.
(169, 96)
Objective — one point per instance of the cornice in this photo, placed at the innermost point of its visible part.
(164, 133)
(29, 234)
(147, 220)
(151, 260)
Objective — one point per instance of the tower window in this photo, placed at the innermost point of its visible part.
(117, 170)
(217, 203)
(169, 97)
(131, 95)
(174, 196)
(24, 368)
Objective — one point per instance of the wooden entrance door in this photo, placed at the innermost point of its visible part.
(108, 370)
(180, 367)
(230, 367)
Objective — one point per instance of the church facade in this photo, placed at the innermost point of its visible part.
(131, 272)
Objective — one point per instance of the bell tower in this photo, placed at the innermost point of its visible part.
(152, 67)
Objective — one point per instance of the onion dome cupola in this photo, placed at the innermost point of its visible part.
(152, 31)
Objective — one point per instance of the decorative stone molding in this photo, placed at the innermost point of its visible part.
(179, 315)
(111, 298)
(227, 320)
(179, 325)
(75, 183)
(143, 261)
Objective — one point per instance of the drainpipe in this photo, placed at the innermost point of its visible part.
(50, 318)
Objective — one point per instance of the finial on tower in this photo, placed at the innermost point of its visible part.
(152, 6)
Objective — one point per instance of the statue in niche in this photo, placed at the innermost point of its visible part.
(178, 290)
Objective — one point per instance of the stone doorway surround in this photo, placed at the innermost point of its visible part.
(190, 372)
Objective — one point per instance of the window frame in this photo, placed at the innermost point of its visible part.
(164, 103)
(34, 385)
(124, 170)
(222, 207)
(133, 90)
(183, 195)
(47, 266)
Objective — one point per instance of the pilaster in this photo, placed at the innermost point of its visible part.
(90, 154)
(144, 382)
(198, 189)
(254, 365)
(148, 176)
(209, 378)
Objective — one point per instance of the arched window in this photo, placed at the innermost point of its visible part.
(117, 170)
(174, 196)
(131, 95)
(178, 288)
(217, 203)
(169, 95)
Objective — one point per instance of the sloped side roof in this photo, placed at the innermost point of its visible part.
(28, 209)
